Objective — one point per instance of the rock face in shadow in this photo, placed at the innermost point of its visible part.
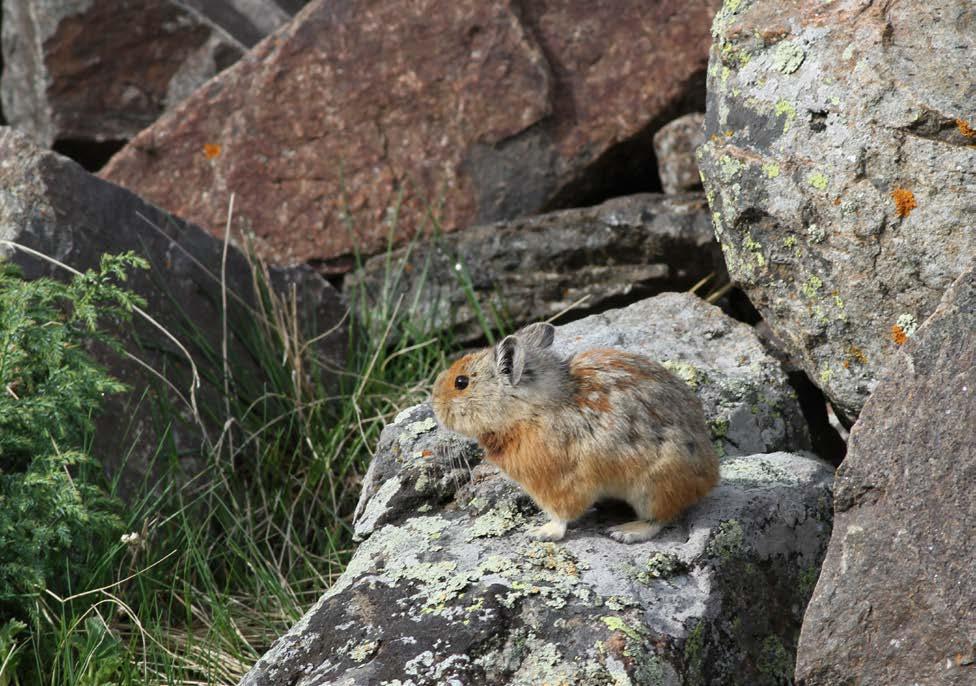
(528, 269)
(452, 591)
(841, 167)
(894, 603)
(50, 205)
(478, 111)
(101, 70)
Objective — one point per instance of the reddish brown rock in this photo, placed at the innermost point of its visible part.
(895, 603)
(475, 111)
(100, 70)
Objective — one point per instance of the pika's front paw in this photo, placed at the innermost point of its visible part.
(550, 531)
(634, 532)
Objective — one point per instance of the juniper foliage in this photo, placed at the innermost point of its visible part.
(51, 504)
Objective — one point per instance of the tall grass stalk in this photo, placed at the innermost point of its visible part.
(217, 564)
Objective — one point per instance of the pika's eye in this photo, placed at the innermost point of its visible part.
(460, 382)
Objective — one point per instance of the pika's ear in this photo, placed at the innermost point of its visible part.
(510, 359)
(538, 335)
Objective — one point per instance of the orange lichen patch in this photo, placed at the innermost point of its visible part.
(211, 150)
(965, 129)
(837, 200)
(904, 201)
(898, 334)
(857, 355)
(426, 453)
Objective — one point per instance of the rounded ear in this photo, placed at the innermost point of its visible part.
(538, 335)
(510, 359)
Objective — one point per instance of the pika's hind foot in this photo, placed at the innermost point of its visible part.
(550, 531)
(634, 532)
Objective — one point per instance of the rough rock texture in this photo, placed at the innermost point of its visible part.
(60, 84)
(674, 146)
(478, 111)
(535, 268)
(459, 594)
(895, 604)
(841, 168)
(51, 205)
(247, 21)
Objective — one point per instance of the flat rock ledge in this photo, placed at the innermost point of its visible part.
(452, 591)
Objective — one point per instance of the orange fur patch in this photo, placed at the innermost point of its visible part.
(542, 470)
(445, 386)
(677, 485)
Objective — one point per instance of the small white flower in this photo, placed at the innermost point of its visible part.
(457, 266)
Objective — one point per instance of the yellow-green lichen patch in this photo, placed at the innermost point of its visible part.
(818, 180)
(755, 247)
(695, 654)
(755, 471)
(688, 373)
(364, 651)
(826, 374)
(727, 541)
(729, 167)
(770, 169)
(496, 522)
(812, 287)
(617, 624)
(789, 241)
(719, 427)
(410, 432)
(785, 109)
(788, 57)
(662, 566)
(550, 572)
(726, 73)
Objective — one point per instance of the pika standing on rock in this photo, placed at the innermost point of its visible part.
(602, 424)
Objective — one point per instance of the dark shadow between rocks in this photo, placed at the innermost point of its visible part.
(92, 155)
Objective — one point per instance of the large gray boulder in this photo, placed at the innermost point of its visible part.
(895, 603)
(535, 268)
(841, 169)
(748, 403)
(452, 591)
(51, 205)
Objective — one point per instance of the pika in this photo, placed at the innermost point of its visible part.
(602, 424)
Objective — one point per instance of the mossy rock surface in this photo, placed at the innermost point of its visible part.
(447, 588)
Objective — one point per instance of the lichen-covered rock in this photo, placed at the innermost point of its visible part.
(101, 70)
(841, 170)
(537, 267)
(895, 602)
(458, 594)
(476, 112)
(674, 147)
(748, 402)
(51, 205)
